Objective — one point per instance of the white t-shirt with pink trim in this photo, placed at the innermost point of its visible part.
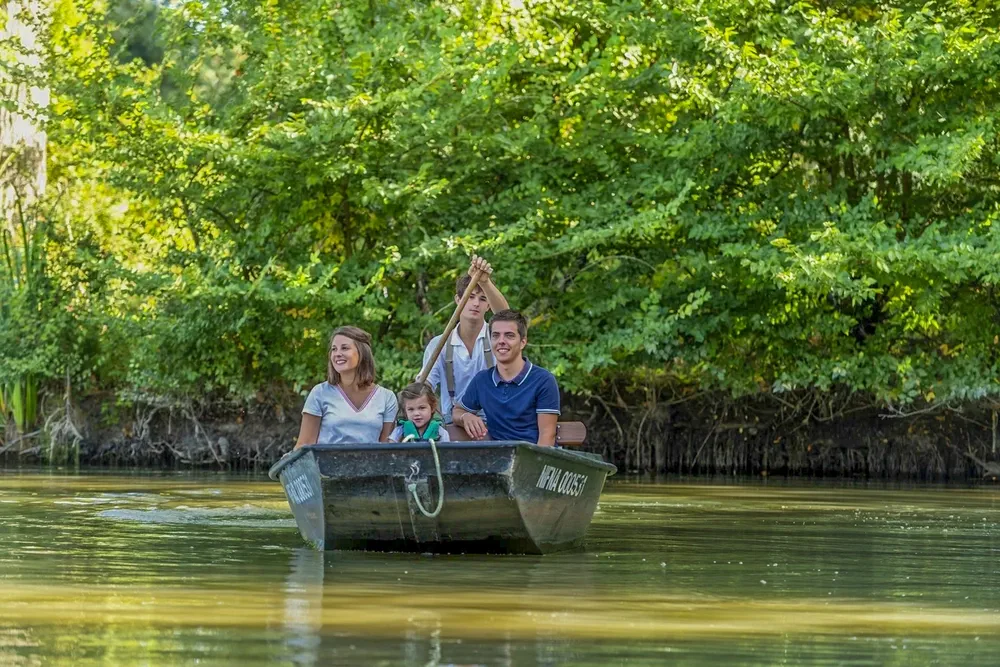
(342, 422)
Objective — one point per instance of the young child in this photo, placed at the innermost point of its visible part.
(419, 405)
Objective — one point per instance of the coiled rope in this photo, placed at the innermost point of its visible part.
(412, 486)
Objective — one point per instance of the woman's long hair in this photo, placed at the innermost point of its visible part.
(364, 374)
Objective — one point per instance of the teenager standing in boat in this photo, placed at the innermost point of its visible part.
(349, 406)
(468, 349)
(520, 400)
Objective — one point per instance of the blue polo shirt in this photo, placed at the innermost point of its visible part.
(512, 408)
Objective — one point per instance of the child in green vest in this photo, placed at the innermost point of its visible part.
(419, 407)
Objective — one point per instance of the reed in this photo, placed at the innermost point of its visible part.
(23, 407)
(21, 276)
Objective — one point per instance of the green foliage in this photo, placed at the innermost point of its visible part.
(23, 402)
(22, 296)
(39, 332)
(735, 196)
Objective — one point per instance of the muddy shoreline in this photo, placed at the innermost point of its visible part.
(709, 436)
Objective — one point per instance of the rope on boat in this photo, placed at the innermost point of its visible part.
(412, 486)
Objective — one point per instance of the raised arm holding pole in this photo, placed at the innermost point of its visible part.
(452, 323)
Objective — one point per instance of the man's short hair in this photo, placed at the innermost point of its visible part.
(510, 315)
(462, 284)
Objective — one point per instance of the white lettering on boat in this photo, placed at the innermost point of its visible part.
(298, 488)
(561, 481)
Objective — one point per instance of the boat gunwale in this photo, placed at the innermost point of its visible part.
(558, 452)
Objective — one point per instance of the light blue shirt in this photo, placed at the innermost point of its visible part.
(342, 422)
(465, 366)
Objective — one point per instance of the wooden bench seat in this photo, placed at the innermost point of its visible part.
(568, 434)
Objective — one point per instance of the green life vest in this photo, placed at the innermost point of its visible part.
(432, 432)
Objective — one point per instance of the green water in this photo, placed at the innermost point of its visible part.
(179, 569)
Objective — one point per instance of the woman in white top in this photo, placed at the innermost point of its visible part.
(349, 406)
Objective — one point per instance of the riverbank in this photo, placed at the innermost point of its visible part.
(768, 435)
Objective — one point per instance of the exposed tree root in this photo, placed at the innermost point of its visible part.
(63, 436)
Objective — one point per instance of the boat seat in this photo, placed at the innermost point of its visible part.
(568, 434)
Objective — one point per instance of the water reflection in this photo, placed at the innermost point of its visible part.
(424, 614)
(304, 606)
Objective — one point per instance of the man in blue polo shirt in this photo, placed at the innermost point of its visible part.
(520, 400)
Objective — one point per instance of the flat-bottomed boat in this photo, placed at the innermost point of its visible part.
(498, 497)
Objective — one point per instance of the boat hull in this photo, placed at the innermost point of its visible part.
(500, 497)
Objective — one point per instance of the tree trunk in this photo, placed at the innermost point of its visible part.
(663, 442)
(22, 137)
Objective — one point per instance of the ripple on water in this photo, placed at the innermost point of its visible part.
(852, 576)
(245, 517)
